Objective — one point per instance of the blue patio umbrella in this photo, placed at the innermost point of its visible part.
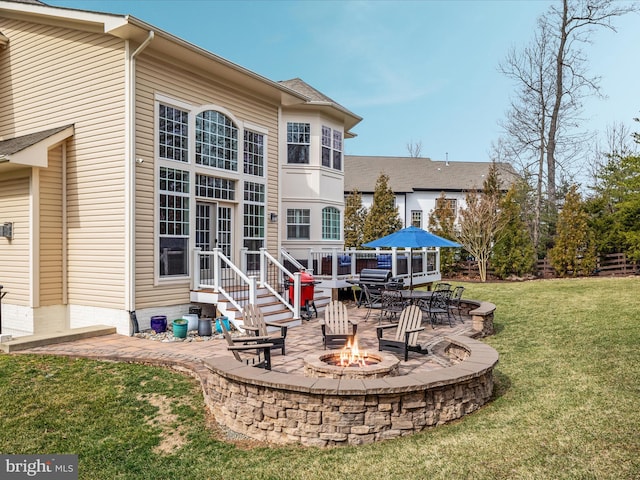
(411, 237)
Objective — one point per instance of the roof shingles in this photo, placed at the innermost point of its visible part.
(409, 174)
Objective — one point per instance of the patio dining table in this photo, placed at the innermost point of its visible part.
(416, 295)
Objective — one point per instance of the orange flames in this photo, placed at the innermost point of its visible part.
(350, 355)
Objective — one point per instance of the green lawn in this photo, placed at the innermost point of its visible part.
(567, 405)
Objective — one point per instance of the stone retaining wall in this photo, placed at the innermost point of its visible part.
(285, 408)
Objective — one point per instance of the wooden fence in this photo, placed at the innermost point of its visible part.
(611, 264)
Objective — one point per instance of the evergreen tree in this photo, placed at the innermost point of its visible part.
(442, 223)
(354, 217)
(383, 217)
(513, 253)
(574, 252)
(615, 209)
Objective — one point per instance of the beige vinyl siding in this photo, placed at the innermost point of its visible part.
(51, 230)
(55, 77)
(156, 76)
(14, 254)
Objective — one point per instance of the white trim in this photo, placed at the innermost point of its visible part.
(34, 239)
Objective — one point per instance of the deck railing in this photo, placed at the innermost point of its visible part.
(212, 269)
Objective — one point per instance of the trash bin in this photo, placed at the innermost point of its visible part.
(307, 292)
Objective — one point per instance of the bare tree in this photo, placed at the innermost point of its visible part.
(481, 223)
(552, 80)
(414, 149)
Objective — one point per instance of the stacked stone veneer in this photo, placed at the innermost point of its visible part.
(286, 408)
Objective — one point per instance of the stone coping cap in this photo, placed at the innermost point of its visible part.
(482, 358)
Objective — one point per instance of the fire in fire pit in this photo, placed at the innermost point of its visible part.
(351, 356)
(350, 362)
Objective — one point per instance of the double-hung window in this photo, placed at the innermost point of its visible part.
(337, 150)
(298, 224)
(416, 218)
(298, 142)
(326, 147)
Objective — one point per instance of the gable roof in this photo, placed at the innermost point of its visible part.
(130, 28)
(411, 174)
(30, 150)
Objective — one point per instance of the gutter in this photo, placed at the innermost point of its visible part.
(130, 170)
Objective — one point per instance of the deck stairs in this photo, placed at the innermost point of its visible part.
(273, 310)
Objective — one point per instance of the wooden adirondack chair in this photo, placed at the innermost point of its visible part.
(262, 356)
(336, 327)
(255, 324)
(406, 338)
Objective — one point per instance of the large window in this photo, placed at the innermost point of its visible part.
(216, 141)
(173, 134)
(330, 223)
(174, 222)
(253, 153)
(298, 224)
(298, 142)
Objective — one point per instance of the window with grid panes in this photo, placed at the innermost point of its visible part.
(298, 223)
(330, 223)
(254, 202)
(326, 146)
(174, 222)
(253, 153)
(337, 150)
(215, 187)
(216, 141)
(298, 142)
(173, 133)
(416, 218)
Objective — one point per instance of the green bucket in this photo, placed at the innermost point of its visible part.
(180, 328)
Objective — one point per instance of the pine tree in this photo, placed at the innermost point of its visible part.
(513, 253)
(574, 251)
(354, 217)
(383, 217)
(442, 223)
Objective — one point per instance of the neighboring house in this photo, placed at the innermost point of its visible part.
(418, 182)
(123, 148)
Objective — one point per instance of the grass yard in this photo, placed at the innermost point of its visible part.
(566, 406)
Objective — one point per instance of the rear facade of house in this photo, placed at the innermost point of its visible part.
(124, 148)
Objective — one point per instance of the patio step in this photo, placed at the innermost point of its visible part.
(32, 341)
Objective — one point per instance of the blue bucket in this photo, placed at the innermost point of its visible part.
(226, 324)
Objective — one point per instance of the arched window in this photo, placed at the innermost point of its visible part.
(216, 141)
(330, 223)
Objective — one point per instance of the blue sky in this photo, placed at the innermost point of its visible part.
(416, 71)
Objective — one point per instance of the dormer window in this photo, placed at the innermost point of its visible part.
(298, 142)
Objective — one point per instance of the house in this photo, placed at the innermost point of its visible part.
(418, 182)
(125, 150)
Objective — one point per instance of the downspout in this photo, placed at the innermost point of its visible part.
(130, 172)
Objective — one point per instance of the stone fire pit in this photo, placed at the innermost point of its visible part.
(324, 365)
